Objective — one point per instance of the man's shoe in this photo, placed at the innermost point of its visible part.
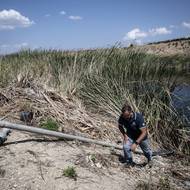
(150, 163)
(122, 159)
(130, 164)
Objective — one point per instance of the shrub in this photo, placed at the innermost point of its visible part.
(50, 124)
(70, 172)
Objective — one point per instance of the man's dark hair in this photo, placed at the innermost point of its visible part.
(126, 107)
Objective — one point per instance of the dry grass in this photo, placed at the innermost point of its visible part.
(54, 111)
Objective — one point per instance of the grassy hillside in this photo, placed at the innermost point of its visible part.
(103, 79)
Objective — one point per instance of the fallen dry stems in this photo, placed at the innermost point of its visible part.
(50, 104)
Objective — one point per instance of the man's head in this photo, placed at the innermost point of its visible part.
(127, 111)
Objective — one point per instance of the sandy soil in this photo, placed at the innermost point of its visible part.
(31, 162)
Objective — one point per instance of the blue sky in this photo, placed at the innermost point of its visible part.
(74, 24)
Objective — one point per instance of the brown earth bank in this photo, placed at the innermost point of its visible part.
(179, 46)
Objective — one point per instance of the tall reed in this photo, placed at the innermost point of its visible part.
(105, 78)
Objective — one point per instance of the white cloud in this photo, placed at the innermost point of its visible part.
(4, 46)
(47, 15)
(173, 26)
(10, 19)
(136, 33)
(75, 17)
(21, 45)
(62, 13)
(138, 42)
(10, 48)
(159, 31)
(186, 24)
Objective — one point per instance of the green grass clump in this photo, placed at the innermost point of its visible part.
(70, 172)
(93, 157)
(50, 124)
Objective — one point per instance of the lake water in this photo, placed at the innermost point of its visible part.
(181, 101)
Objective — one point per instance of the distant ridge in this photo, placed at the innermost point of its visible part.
(171, 40)
(178, 46)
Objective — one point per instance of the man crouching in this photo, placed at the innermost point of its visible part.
(131, 125)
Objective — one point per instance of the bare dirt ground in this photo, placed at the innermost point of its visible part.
(32, 162)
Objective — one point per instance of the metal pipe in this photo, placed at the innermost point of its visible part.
(6, 124)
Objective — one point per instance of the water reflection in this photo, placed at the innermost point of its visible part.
(181, 101)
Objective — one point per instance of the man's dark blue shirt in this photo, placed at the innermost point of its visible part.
(132, 126)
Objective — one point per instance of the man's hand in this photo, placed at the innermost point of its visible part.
(125, 138)
(133, 147)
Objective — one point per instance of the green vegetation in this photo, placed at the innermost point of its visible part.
(70, 172)
(93, 157)
(50, 124)
(103, 79)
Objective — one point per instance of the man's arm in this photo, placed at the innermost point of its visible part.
(125, 137)
(143, 129)
(143, 134)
